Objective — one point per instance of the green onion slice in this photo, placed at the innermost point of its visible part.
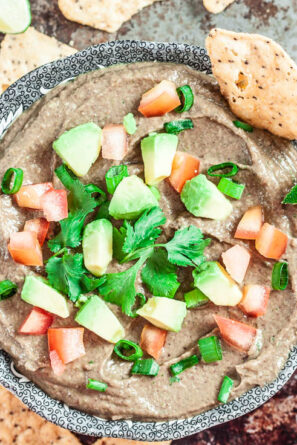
(231, 188)
(244, 126)
(195, 298)
(142, 300)
(225, 390)
(146, 366)
(17, 175)
(128, 350)
(130, 123)
(184, 364)
(210, 349)
(186, 96)
(7, 289)
(114, 176)
(280, 276)
(225, 165)
(100, 195)
(66, 176)
(291, 197)
(175, 127)
(96, 385)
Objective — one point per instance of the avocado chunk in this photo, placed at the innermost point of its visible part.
(36, 292)
(79, 147)
(202, 198)
(97, 246)
(96, 316)
(131, 198)
(216, 284)
(165, 313)
(158, 151)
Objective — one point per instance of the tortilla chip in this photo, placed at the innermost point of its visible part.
(108, 441)
(21, 426)
(258, 78)
(107, 15)
(21, 53)
(216, 6)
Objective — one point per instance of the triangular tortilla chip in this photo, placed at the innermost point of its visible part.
(107, 15)
(258, 78)
(216, 6)
(21, 53)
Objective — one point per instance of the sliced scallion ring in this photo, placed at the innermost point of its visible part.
(100, 195)
(146, 366)
(96, 385)
(280, 276)
(225, 165)
(186, 96)
(231, 188)
(114, 176)
(7, 289)
(210, 349)
(184, 364)
(66, 176)
(17, 175)
(195, 298)
(128, 350)
(129, 123)
(243, 125)
(225, 389)
(175, 127)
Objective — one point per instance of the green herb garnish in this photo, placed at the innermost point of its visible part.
(225, 389)
(291, 197)
(280, 276)
(186, 96)
(244, 126)
(129, 123)
(128, 350)
(96, 385)
(17, 175)
(145, 367)
(184, 364)
(7, 289)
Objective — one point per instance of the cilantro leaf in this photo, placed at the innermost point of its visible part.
(80, 199)
(187, 246)
(145, 230)
(159, 275)
(70, 235)
(119, 236)
(291, 197)
(65, 274)
(119, 288)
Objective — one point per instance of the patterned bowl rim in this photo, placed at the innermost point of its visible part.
(17, 98)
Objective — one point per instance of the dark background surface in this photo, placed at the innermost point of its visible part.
(187, 21)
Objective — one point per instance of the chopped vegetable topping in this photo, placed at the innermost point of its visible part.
(36, 323)
(244, 126)
(195, 298)
(225, 165)
(7, 289)
(146, 367)
(128, 350)
(225, 389)
(152, 340)
(17, 174)
(159, 100)
(291, 197)
(129, 123)
(100, 195)
(39, 226)
(67, 342)
(186, 97)
(280, 276)
(114, 176)
(29, 196)
(114, 142)
(236, 260)
(271, 242)
(250, 224)
(231, 188)
(184, 364)
(254, 300)
(175, 127)
(184, 168)
(210, 349)
(239, 335)
(96, 385)
(25, 248)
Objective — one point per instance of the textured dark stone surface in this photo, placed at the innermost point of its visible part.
(187, 21)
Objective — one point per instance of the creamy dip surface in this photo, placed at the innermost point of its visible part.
(268, 167)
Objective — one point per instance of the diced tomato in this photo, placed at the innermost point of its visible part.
(114, 142)
(152, 340)
(236, 260)
(184, 167)
(255, 299)
(30, 195)
(159, 100)
(39, 226)
(271, 242)
(67, 342)
(25, 248)
(37, 322)
(54, 205)
(250, 224)
(57, 365)
(239, 335)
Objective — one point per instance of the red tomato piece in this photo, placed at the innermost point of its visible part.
(236, 260)
(54, 205)
(239, 335)
(57, 365)
(36, 323)
(159, 100)
(271, 242)
(255, 299)
(114, 142)
(30, 195)
(67, 342)
(250, 224)
(152, 340)
(184, 168)
(25, 248)
(39, 226)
